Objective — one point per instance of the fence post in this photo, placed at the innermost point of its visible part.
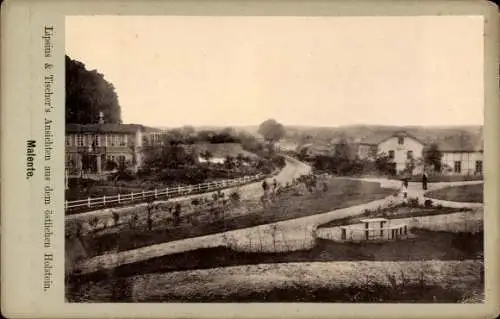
(88, 201)
(142, 194)
(118, 198)
(156, 193)
(66, 204)
(179, 189)
(104, 199)
(131, 195)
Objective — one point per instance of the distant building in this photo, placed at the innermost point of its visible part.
(462, 154)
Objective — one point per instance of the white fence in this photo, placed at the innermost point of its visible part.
(158, 193)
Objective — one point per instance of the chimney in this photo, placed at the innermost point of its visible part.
(101, 118)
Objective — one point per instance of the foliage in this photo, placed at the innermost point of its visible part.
(384, 165)
(432, 156)
(428, 203)
(170, 155)
(235, 197)
(88, 94)
(271, 130)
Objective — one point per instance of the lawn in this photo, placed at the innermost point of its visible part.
(426, 245)
(447, 178)
(464, 193)
(293, 203)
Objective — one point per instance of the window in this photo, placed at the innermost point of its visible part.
(68, 141)
(409, 154)
(97, 140)
(123, 140)
(458, 167)
(114, 140)
(391, 154)
(401, 140)
(479, 167)
(79, 140)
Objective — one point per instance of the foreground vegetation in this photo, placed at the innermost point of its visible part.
(155, 224)
(359, 281)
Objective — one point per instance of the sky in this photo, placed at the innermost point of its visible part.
(314, 71)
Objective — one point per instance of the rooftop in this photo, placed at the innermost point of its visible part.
(107, 128)
(453, 142)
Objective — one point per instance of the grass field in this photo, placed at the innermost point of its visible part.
(426, 245)
(447, 178)
(289, 205)
(464, 193)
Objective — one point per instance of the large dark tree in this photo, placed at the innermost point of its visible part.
(87, 94)
(432, 157)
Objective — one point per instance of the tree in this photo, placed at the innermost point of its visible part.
(229, 163)
(272, 131)
(206, 155)
(342, 157)
(343, 150)
(170, 155)
(432, 156)
(88, 94)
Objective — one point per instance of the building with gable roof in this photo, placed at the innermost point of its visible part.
(462, 154)
(95, 149)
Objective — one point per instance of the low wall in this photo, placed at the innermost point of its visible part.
(470, 221)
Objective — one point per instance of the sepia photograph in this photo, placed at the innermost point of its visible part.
(274, 159)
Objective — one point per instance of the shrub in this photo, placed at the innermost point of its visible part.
(413, 202)
(428, 203)
(235, 197)
(93, 222)
(116, 217)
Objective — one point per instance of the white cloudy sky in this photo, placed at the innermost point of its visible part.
(324, 71)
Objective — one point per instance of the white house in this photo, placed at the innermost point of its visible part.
(462, 154)
(402, 148)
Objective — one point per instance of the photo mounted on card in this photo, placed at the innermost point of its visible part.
(249, 159)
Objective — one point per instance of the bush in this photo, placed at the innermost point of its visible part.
(428, 203)
(235, 197)
(413, 202)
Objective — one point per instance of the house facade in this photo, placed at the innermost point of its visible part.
(403, 149)
(100, 148)
(97, 148)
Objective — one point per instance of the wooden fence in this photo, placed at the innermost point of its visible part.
(168, 192)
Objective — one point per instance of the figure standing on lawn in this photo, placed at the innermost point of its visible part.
(265, 187)
(404, 188)
(424, 182)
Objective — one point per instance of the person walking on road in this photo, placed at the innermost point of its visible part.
(265, 186)
(424, 182)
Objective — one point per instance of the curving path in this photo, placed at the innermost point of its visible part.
(293, 234)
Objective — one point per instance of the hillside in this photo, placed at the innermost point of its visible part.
(362, 132)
